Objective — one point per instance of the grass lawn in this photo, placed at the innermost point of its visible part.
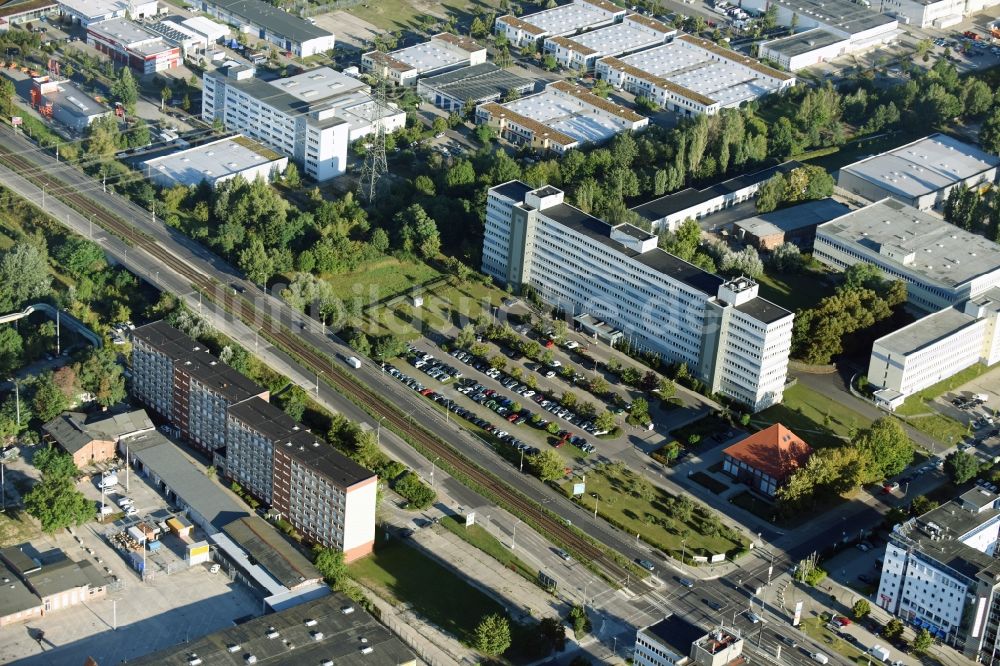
(793, 292)
(382, 279)
(406, 576)
(402, 14)
(942, 428)
(816, 629)
(16, 527)
(804, 411)
(489, 544)
(916, 403)
(619, 503)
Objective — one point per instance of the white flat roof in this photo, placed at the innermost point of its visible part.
(692, 68)
(925, 331)
(318, 84)
(207, 27)
(123, 31)
(924, 166)
(566, 19)
(619, 38)
(225, 157)
(430, 55)
(565, 114)
(92, 9)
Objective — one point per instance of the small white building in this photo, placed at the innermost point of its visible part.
(207, 28)
(634, 33)
(568, 19)
(443, 52)
(215, 162)
(921, 173)
(87, 12)
(69, 105)
(804, 49)
(935, 13)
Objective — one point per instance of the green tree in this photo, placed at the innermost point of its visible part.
(921, 505)
(101, 375)
(11, 349)
(24, 275)
(49, 400)
(581, 623)
(9, 424)
(389, 346)
(418, 493)
(293, 402)
(291, 176)
(57, 504)
(125, 90)
(961, 466)
(893, 629)
(7, 92)
(550, 63)
(492, 636)
(256, 262)
(886, 448)
(80, 257)
(547, 465)
(55, 463)
(771, 194)
(466, 337)
(861, 608)
(989, 133)
(605, 421)
(639, 414)
(330, 564)
(921, 642)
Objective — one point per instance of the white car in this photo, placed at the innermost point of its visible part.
(572, 344)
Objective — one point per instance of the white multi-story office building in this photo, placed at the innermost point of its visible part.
(941, 264)
(442, 53)
(574, 17)
(310, 117)
(940, 572)
(733, 340)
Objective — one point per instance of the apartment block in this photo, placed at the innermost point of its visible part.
(180, 380)
(941, 573)
(733, 340)
(442, 53)
(564, 20)
(310, 117)
(328, 497)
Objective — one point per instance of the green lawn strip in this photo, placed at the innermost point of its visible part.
(816, 629)
(650, 518)
(489, 544)
(16, 527)
(381, 279)
(916, 403)
(705, 480)
(942, 428)
(405, 575)
(794, 292)
(804, 411)
(393, 15)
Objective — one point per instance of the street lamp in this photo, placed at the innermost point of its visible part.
(522, 461)
(683, 549)
(378, 431)
(432, 470)
(513, 535)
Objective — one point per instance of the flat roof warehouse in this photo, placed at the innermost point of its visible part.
(844, 14)
(274, 19)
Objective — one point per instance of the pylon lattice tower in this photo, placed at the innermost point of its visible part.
(375, 165)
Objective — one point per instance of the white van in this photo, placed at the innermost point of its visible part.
(354, 362)
(820, 657)
(109, 481)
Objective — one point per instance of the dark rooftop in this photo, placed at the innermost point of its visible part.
(477, 82)
(298, 442)
(682, 271)
(269, 549)
(763, 310)
(193, 358)
(73, 430)
(514, 190)
(309, 633)
(272, 18)
(15, 597)
(657, 209)
(19, 561)
(58, 577)
(675, 633)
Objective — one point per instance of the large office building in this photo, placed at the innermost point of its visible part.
(560, 118)
(328, 497)
(862, 26)
(941, 264)
(129, 43)
(476, 84)
(934, 348)
(921, 173)
(733, 340)
(180, 380)
(310, 117)
(941, 573)
(284, 30)
(215, 162)
(562, 21)
(634, 33)
(693, 76)
(441, 53)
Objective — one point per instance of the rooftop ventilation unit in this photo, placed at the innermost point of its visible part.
(310, 622)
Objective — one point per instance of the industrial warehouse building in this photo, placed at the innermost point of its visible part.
(89, 12)
(804, 49)
(215, 162)
(693, 76)
(66, 103)
(129, 43)
(921, 173)
(476, 84)
(941, 264)
(17, 12)
(795, 224)
(634, 33)
(733, 340)
(286, 31)
(560, 118)
(441, 53)
(863, 27)
(934, 13)
(562, 21)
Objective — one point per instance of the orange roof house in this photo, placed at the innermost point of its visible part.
(766, 459)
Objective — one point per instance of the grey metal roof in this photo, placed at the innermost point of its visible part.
(186, 478)
(297, 642)
(68, 431)
(803, 42)
(477, 83)
(925, 331)
(272, 551)
(15, 596)
(58, 577)
(272, 18)
(844, 15)
(807, 214)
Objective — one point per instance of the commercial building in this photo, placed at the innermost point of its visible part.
(693, 76)
(131, 44)
(934, 348)
(17, 12)
(310, 118)
(64, 102)
(180, 380)
(864, 27)
(215, 162)
(733, 340)
(766, 459)
(560, 118)
(634, 33)
(804, 49)
(286, 31)
(211, 31)
(174, 32)
(921, 173)
(17, 602)
(475, 85)
(941, 264)
(934, 13)
(673, 641)
(668, 212)
(89, 12)
(331, 630)
(326, 496)
(56, 581)
(795, 224)
(441, 53)
(93, 439)
(577, 16)
(941, 573)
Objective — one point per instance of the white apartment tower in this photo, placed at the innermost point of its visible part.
(729, 337)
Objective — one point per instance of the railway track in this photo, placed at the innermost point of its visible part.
(243, 307)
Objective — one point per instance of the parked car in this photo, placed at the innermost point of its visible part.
(645, 564)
